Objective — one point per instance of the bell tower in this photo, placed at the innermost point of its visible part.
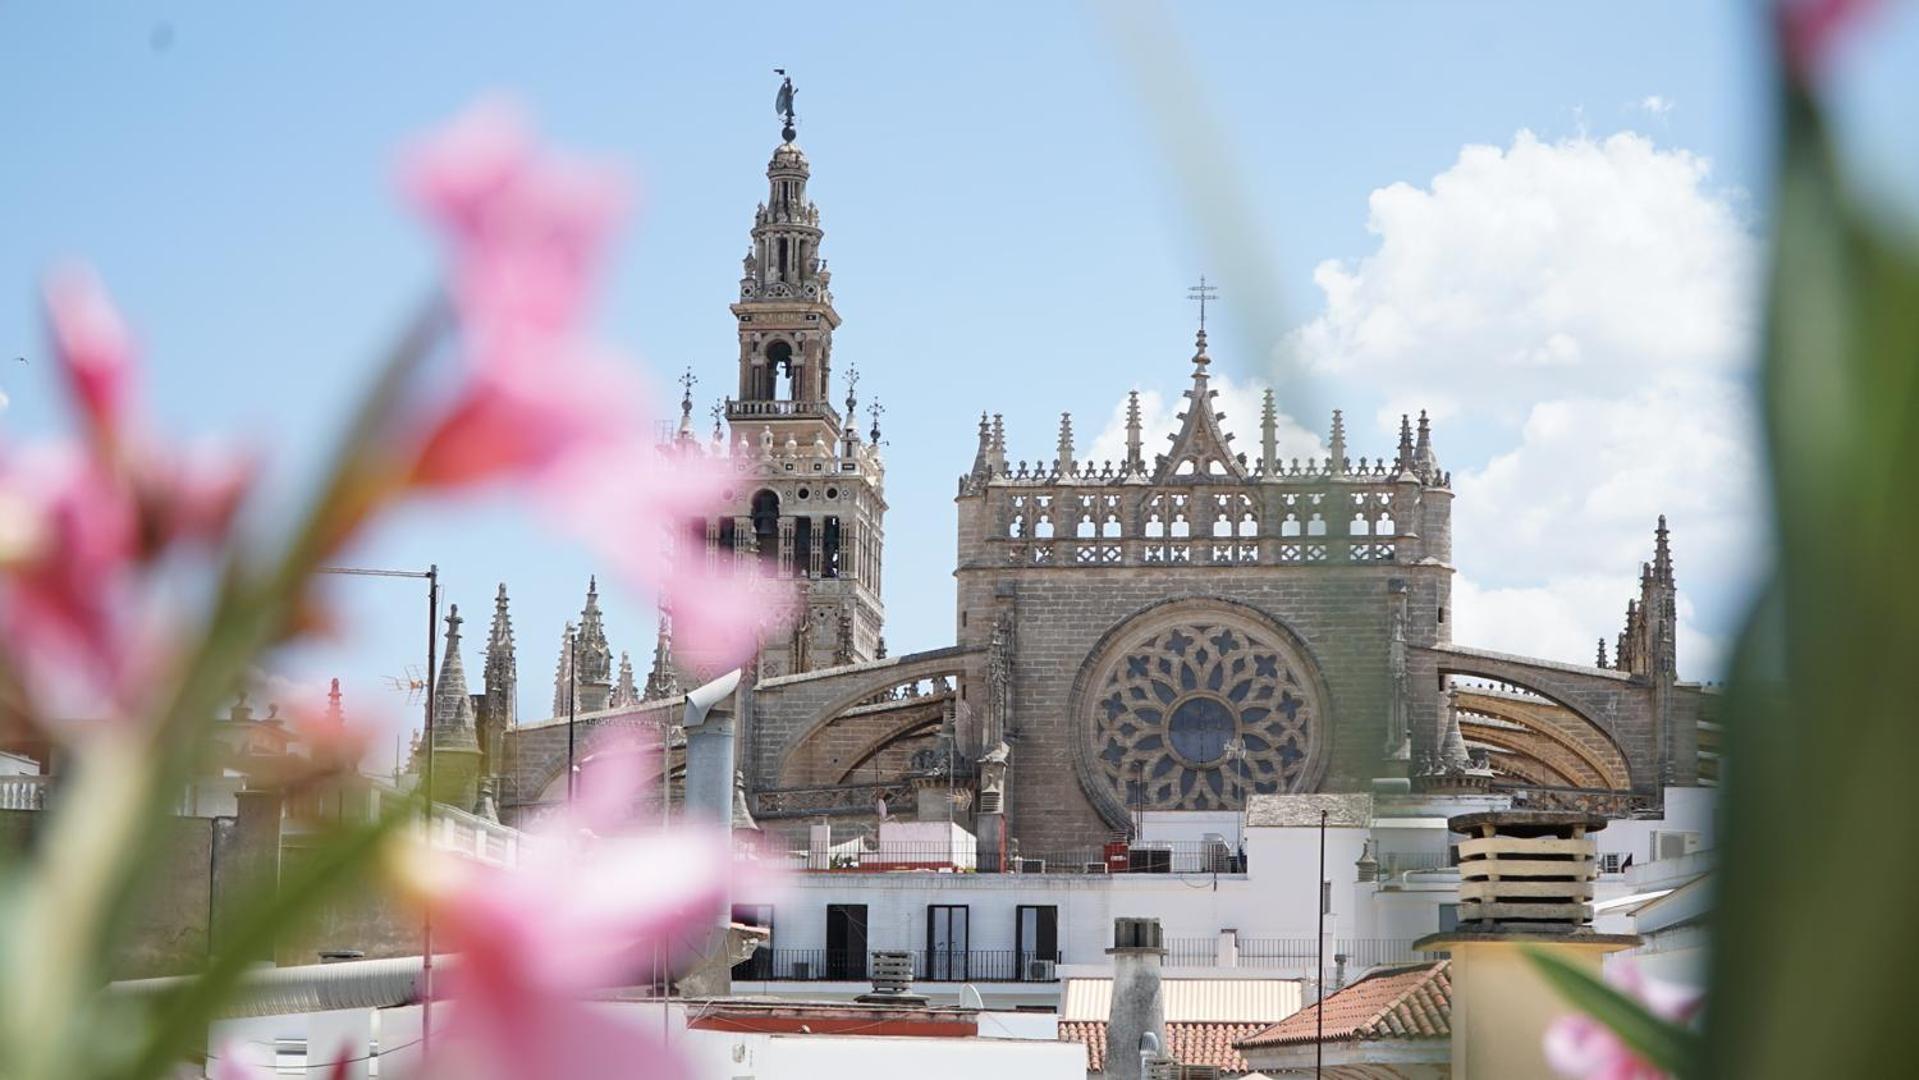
(810, 503)
(785, 312)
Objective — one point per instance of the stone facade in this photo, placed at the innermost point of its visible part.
(1176, 630)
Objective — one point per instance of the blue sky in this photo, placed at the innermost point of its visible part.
(1004, 231)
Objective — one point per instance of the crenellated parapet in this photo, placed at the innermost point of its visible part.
(1202, 504)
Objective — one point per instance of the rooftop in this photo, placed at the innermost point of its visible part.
(1257, 1001)
(1189, 1042)
(1397, 1003)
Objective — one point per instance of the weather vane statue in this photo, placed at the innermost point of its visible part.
(783, 104)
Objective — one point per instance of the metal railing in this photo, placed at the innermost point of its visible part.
(1403, 862)
(1147, 857)
(1191, 952)
(769, 964)
(1170, 857)
(1301, 952)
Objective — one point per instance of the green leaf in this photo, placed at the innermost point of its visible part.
(1677, 1050)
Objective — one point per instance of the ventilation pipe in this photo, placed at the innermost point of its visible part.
(709, 752)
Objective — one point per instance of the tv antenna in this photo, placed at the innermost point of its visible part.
(412, 684)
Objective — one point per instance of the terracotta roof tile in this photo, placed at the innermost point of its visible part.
(1394, 1003)
(1190, 1043)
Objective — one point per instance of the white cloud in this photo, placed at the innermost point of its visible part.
(1655, 104)
(1580, 313)
(1563, 620)
(1159, 417)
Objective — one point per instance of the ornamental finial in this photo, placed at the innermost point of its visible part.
(783, 105)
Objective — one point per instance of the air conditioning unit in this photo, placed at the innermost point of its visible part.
(1673, 844)
(802, 970)
(1038, 970)
(1030, 866)
(1096, 868)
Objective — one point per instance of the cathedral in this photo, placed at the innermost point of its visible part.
(1177, 630)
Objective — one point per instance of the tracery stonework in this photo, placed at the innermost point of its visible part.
(1171, 698)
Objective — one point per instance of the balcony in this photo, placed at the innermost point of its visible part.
(781, 410)
(1359, 953)
(1169, 857)
(24, 792)
(929, 965)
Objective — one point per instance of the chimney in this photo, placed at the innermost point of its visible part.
(892, 980)
(1525, 880)
(1137, 1009)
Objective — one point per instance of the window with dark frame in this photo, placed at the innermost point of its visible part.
(947, 942)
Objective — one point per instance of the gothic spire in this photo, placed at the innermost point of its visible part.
(983, 457)
(1200, 447)
(663, 680)
(452, 704)
(1135, 457)
(1662, 554)
(563, 675)
(1601, 662)
(1337, 464)
(595, 661)
(1064, 461)
(502, 671)
(625, 693)
(999, 443)
(335, 716)
(1268, 434)
(1405, 463)
(1423, 457)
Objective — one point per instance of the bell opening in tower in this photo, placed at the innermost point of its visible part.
(766, 525)
(779, 365)
(830, 541)
(803, 546)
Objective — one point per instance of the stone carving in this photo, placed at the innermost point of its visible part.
(1168, 703)
(1398, 742)
(999, 680)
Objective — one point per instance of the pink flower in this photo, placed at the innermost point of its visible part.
(521, 419)
(721, 615)
(1580, 1046)
(651, 524)
(526, 228)
(1809, 31)
(94, 348)
(584, 912)
(82, 526)
(68, 565)
(526, 231)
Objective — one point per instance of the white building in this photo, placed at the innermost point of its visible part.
(1234, 895)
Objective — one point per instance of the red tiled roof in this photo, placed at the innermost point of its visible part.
(1396, 1003)
(1190, 1043)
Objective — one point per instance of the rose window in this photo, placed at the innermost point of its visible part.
(1197, 713)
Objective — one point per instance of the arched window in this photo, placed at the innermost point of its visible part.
(779, 364)
(766, 525)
